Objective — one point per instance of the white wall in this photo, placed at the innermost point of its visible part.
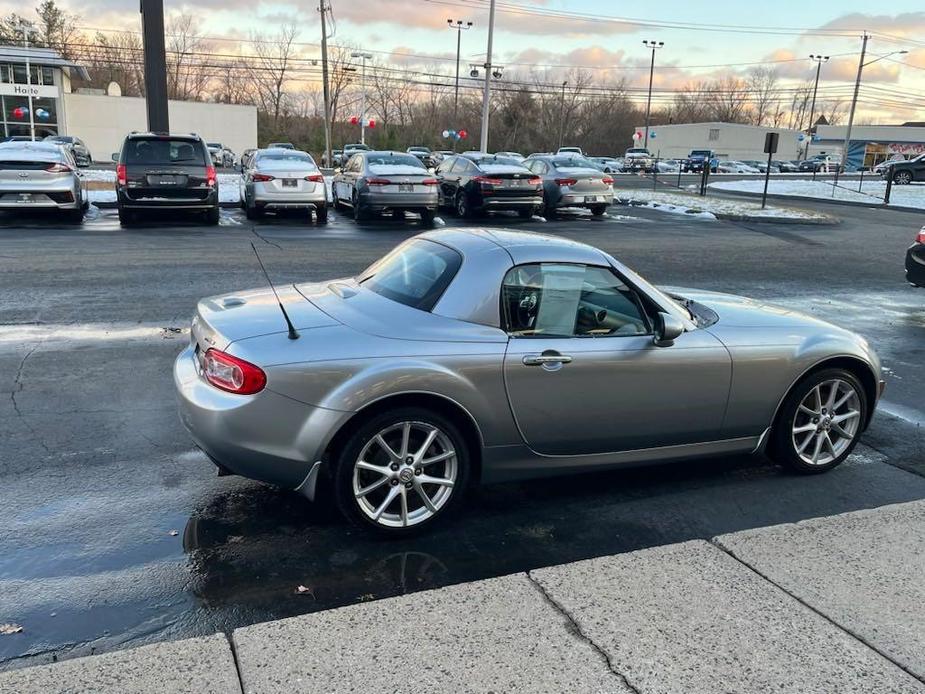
(104, 121)
(734, 141)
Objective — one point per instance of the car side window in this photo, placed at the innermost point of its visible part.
(565, 300)
(459, 165)
(445, 165)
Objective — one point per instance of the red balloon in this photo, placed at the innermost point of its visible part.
(19, 112)
(463, 134)
(371, 124)
(354, 120)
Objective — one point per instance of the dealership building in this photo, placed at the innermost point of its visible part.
(727, 140)
(101, 118)
(870, 144)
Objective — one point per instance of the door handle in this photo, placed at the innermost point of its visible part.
(540, 359)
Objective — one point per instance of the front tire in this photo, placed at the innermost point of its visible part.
(463, 208)
(820, 422)
(402, 471)
(902, 178)
(212, 216)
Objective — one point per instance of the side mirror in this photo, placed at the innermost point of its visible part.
(115, 157)
(668, 328)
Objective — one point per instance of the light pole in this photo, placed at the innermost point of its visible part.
(857, 88)
(654, 45)
(326, 90)
(26, 28)
(486, 93)
(562, 115)
(459, 26)
(819, 60)
(364, 57)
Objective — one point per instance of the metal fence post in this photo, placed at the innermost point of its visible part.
(655, 170)
(889, 185)
(861, 184)
(679, 176)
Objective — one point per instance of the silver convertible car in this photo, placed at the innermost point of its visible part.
(480, 355)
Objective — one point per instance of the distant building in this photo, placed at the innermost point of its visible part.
(870, 144)
(728, 140)
(101, 118)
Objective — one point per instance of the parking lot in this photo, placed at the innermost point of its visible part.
(119, 533)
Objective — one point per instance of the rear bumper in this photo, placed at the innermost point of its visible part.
(272, 200)
(581, 200)
(175, 202)
(915, 264)
(512, 203)
(401, 201)
(266, 437)
(62, 197)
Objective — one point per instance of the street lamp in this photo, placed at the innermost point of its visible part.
(486, 93)
(459, 26)
(819, 60)
(27, 29)
(654, 45)
(562, 115)
(857, 88)
(364, 57)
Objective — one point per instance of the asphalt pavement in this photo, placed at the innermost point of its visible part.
(118, 533)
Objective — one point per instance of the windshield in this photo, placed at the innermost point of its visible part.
(495, 159)
(423, 150)
(60, 138)
(286, 159)
(415, 274)
(637, 150)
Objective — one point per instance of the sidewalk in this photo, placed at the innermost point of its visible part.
(833, 604)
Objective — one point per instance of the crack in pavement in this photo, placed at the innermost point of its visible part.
(269, 243)
(577, 630)
(17, 387)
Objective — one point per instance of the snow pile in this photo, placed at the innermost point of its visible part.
(101, 175)
(709, 207)
(872, 191)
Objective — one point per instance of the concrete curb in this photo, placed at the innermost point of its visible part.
(828, 604)
(828, 201)
(825, 220)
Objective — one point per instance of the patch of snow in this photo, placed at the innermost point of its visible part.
(103, 175)
(872, 191)
(101, 195)
(708, 207)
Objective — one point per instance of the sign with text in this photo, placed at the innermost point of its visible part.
(906, 148)
(36, 91)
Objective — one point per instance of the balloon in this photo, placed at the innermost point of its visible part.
(20, 112)
(354, 120)
(42, 113)
(446, 133)
(801, 137)
(370, 123)
(463, 134)
(652, 135)
(637, 136)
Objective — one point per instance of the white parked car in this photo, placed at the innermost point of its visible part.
(283, 179)
(736, 167)
(668, 165)
(41, 175)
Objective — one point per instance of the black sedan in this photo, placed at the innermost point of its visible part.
(904, 172)
(472, 183)
(915, 261)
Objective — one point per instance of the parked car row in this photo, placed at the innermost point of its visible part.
(41, 175)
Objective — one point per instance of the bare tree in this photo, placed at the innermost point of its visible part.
(762, 82)
(187, 76)
(58, 29)
(115, 58)
(270, 66)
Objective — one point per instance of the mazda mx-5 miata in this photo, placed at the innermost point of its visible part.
(479, 355)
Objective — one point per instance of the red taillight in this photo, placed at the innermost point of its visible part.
(487, 181)
(315, 178)
(232, 374)
(121, 176)
(430, 182)
(566, 181)
(261, 178)
(378, 182)
(921, 237)
(607, 181)
(210, 176)
(535, 181)
(58, 168)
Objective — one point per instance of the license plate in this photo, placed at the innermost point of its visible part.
(290, 183)
(594, 198)
(405, 187)
(164, 180)
(516, 184)
(26, 197)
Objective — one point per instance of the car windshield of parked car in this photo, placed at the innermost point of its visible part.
(577, 163)
(415, 274)
(383, 164)
(66, 139)
(637, 150)
(498, 160)
(164, 151)
(289, 160)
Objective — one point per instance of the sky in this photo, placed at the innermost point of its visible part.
(702, 39)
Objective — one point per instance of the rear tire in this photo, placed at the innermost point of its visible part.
(427, 218)
(525, 214)
(360, 213)
(820, 422)
(321, 214)
(126, 218)
(400, 472)
(902, 178)
(463, 209)
(598, 210)
(212, 215)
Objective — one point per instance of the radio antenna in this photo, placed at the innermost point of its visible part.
(293, 334)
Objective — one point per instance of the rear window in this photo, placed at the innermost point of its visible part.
(415, 274)
(394, 160)
(164, 152)
(572, 163)
(286, 159)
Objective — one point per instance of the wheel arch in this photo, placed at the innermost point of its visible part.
(854, 365)
(435, 402)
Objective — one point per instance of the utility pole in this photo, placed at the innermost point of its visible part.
(819, 59)
(325, 88)
(562, 115)
(27, 29)
(459, 26)
(486, 94)
(857, 88)
(364, 57)
(654, 45)
(152, 30)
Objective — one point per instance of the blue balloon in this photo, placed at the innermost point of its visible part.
(651, 136)
(42, 113)
(801, 137)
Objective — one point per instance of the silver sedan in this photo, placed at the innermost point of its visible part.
(41, 175)
(376, 182)
(472, 355)
(570, 181)
(283, 179)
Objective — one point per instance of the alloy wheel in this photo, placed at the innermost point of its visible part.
(462, 206)
(405, 474)
(827, 420)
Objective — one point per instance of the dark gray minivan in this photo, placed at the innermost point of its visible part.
(165, 172)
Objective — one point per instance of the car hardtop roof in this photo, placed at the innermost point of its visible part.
(522, 246)
(165, 136)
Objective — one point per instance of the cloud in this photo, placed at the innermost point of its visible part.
(907, 24)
